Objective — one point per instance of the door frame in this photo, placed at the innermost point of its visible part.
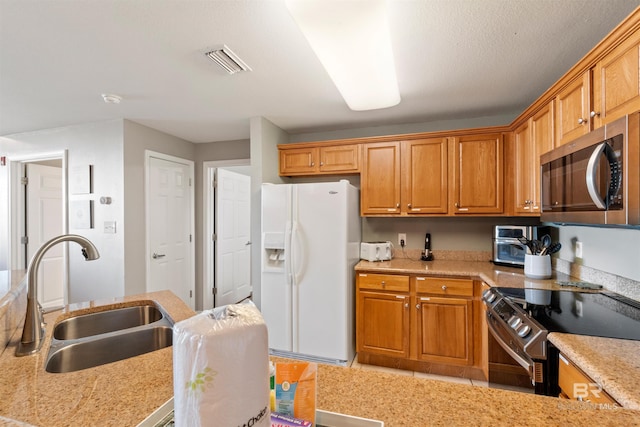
(148, 154)
(17, 213)
(208, 215)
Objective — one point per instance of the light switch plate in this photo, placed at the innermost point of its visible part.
(110, 227)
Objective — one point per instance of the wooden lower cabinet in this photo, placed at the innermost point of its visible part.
(420, 323)
(444, 330)
(576, 385)
(383, 323)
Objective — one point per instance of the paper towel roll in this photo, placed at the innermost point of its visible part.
(221, 368)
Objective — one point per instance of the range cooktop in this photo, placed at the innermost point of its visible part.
(601, 313)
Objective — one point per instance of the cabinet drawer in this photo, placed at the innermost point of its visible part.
(576, 385)
(438, 286)
(383, 282)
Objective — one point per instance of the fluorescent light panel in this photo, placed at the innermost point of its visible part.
(353, 42)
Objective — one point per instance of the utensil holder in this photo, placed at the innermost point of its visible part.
(537, 266)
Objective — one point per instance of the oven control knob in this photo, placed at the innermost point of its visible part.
(515, 321)
(524, 330)
(488, 296)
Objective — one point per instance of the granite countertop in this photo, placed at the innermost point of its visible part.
(408, 401)
(117, 394)
(488, 272)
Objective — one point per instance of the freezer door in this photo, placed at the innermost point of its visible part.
(276, 295)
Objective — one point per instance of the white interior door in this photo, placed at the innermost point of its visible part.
(169, 216)
(233, 237)
(45, 221)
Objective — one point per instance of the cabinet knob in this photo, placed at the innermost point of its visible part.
(418, 306)
(321, 163)
(409, 205)
(581, 121)
(593, 114)
(455, 204)
(398, 205)
(406, 305)
(444, 287)
(313, 164)
(383, 283)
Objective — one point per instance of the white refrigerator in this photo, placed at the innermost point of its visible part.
(310, 245)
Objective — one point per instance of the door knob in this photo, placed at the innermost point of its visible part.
(156, 256)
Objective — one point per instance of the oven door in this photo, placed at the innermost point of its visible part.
(508, 366)
(509, 252)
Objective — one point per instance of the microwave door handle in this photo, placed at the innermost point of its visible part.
(591, 176)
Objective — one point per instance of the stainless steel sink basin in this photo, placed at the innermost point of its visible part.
(89, 353)
(95, 339)
(106, 321)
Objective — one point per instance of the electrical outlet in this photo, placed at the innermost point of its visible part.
(578, 249)
(401, 237)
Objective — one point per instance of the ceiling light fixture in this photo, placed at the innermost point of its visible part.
(110, 98)
(353, 42)
(229, 61)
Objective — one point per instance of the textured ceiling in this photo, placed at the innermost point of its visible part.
(454, 59)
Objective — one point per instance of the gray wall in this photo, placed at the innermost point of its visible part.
(101, 145)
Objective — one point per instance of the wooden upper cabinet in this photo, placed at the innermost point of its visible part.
(424, 176)
(531, 139)
(616, 82)
(380, 179)
(298, 161)
(477, 174)
(573, 109)
(313, 160)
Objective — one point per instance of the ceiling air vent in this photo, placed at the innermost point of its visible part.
(224, 57)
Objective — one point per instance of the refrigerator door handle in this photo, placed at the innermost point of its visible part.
(298, 254)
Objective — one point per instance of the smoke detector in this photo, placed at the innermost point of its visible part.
(111, 98)
(225, 58)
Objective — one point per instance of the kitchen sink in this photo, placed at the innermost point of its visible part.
(84, 354)
(106, 321)
(95, 339)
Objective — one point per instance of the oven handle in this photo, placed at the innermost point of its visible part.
(526, 364)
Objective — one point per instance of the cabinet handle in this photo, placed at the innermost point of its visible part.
(593, 114)
(581, 121)
(444, 287)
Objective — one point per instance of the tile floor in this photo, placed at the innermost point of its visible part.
(466, 381)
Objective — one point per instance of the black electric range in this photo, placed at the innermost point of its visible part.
(520, 319)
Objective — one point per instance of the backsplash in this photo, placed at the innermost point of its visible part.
(621, 285)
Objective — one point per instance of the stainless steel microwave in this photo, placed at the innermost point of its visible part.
(594, 179)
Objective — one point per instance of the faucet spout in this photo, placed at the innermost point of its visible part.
(33, 331)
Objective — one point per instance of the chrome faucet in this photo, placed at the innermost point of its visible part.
(33, 331)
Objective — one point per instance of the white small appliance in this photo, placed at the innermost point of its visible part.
(375, 251)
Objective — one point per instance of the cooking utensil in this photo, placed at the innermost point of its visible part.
(528, 243)
(555, 247)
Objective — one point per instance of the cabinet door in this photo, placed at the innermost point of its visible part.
(424, 176)
(380, 179)
(616, 83)
(573, 109)
(525, 159)
(298, 161)
(574, 384)
(478, 174)
(383, 323)
(543, 140)
(340, 158)
(444, 330)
